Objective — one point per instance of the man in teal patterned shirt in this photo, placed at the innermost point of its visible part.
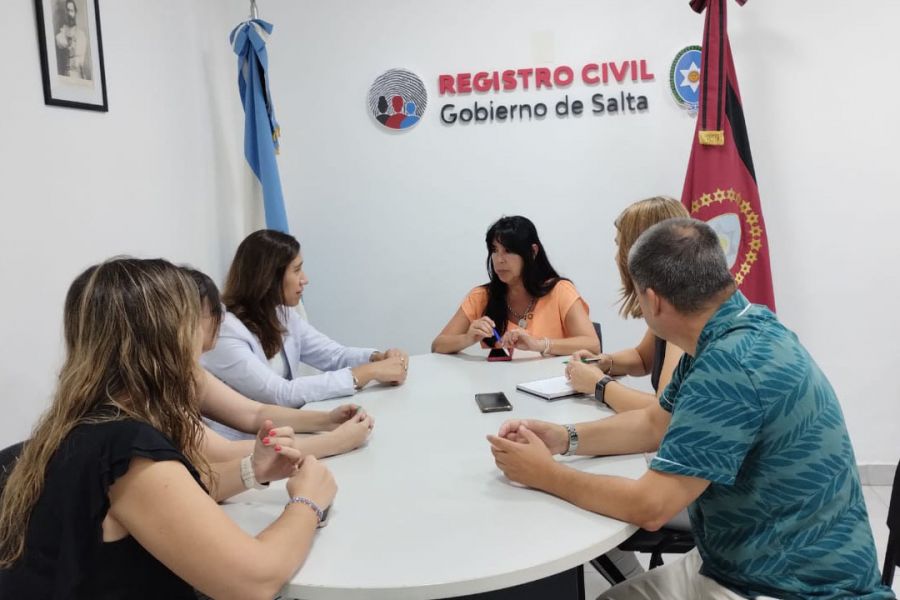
(750, 438)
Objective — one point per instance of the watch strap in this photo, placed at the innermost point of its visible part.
(600, 389)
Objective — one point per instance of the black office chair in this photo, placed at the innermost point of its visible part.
(8, 458)
(656, 543)
(599, 331)
(892, 554)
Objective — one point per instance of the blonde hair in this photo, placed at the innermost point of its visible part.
(130, 328)
(634, 221)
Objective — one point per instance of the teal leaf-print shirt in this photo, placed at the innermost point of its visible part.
(752, 414)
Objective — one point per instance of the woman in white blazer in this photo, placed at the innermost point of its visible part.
(262, 340)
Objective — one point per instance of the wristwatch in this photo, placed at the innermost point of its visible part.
(573, 440)
(600, 389)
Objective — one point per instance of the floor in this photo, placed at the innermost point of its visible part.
(877, 499)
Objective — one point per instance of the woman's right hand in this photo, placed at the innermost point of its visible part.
(480, 329)
(313, 480)
(353, 432)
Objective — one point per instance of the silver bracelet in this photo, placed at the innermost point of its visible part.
(320, 515)
(546, 349)
(248, 476)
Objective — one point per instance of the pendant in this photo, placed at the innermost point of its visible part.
(523, 323)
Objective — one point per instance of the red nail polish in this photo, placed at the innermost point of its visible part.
(272, 432)
(277, 448)
(266, 441)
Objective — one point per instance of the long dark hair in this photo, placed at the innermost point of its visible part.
(518, 235)
(253, 288)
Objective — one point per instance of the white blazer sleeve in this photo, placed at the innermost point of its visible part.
(317, 349)
(237, 360)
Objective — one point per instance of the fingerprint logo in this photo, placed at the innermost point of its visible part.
(397, 99)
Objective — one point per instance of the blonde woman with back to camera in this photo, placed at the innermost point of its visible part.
(652, 356)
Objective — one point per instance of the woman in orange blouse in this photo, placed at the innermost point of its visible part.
(526, 301)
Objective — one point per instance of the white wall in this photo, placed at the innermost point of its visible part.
(392, 225)
(159, 175)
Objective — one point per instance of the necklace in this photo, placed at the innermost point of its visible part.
(525, 317)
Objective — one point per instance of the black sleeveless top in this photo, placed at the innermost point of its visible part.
(659, 356)
(65, 555)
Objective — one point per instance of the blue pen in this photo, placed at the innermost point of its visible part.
(496, 335)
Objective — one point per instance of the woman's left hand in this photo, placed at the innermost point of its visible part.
(521, 340)
(392, 352)
(342, 414)
(583, 377)
(274, 454)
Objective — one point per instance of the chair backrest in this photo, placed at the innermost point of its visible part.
(892, 554)
(8, 458)
(599, 331)
(893, 520)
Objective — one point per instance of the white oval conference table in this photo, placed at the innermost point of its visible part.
(423, 512)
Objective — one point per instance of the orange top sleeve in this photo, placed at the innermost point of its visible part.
(474, 303)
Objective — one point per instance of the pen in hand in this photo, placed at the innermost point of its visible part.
(586, 360)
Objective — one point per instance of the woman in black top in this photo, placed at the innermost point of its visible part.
(109, 498)
(652, 356)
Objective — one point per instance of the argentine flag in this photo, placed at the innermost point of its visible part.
(261, 130)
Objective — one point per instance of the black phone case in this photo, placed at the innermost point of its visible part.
(493, 402)
(499, 355)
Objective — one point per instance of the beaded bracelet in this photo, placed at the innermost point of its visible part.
(248, 476)
(320, 516)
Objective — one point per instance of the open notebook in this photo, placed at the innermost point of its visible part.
(551, 389)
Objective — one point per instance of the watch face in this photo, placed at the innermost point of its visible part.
(573, 440)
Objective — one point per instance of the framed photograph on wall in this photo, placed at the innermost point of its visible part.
(71, 53)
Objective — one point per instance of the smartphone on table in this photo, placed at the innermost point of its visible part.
(499, 354)
(493, 402)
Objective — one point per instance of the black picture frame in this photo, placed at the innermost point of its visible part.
(71, 48)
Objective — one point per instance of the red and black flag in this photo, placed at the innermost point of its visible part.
(720, 186)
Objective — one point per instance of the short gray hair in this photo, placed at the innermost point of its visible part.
(682, 260)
